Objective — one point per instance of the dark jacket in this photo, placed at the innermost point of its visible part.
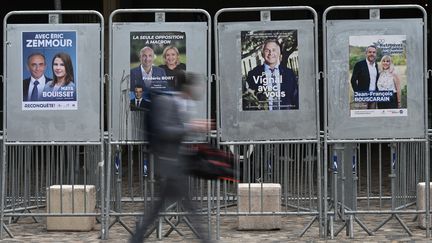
(134, 107)
(289, 86)
(167, 133)
(360, 79)
(26, 84)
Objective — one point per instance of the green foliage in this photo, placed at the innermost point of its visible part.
(357, 53)
(353, 60)
(404, 94)
(251, 42)
(398, 60)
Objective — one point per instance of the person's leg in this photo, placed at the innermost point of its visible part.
(196, 219)
(181, 195)
(149, 218)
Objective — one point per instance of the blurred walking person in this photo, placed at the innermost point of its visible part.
(169, 123)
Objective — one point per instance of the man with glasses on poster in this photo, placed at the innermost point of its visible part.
(33, 85)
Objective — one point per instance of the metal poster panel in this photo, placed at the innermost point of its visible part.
(378, 75)
(155, 55)
(270, 80)
(156, 60)
(375, 79)
(49, 59)
(64, 103)
(267, 80)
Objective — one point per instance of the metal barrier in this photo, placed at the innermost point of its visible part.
(32, 170)
(52, 149)
(135, 190)
(361, 146)
(374, 180)
(293, 166)
(132, 182)
(365, 181)
(288, 152)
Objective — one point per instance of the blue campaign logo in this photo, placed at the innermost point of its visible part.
(335, 166)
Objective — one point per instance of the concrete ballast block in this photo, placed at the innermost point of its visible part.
(270, 196)
(64, 199)
(421, 202)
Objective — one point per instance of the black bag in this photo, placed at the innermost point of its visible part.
(210, 163)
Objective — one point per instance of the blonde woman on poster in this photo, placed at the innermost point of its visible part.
(389, 80)
(172, 64)
(171, 57)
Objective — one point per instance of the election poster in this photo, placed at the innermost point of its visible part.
(378, 76)
(49, 67)
(156, 60)
(269, 64)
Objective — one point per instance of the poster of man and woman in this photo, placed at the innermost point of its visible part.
(49, 70)
(378, 76)
(156, 59)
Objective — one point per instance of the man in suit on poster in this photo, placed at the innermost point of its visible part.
(146, 74)
(33, 85)
(365, 74)
(138, 102)
(274, 85)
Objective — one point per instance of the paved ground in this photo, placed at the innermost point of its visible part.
(26, 230)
